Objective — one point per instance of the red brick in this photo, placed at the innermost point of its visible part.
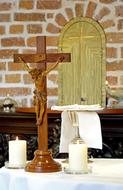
(91, 9)
(2, 30)
(119, 10)
(114, 66)
(26, 4)
(2, 66)
(31, 42)
(120, 24)
(79, 9)
(16, 29)
(107, 23)
(51, 28)
(12, 78)
(29, 17)
(52, 41)
(12, 41)
(113, 37)
(15, 91)
(34, 28)
(121, 80)
(122, 52)
(27, 79)
(103, 12)
(7, 53)
(48, 4)
(69, 13)
(111, 52)
(60, 19)
(107, 1)
(4, 6)
(112, 80)
(5, 17)
(15, 66)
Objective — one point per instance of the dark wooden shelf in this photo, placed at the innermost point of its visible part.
(24, 121)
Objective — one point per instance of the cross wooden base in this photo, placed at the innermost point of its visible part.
(43, 162)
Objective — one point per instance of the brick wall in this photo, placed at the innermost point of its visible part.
(22, 20)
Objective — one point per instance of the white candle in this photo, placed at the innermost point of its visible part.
(17, 152)
(78, 157)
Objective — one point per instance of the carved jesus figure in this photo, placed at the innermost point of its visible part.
(38, 75)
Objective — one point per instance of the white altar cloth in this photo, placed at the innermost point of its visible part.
(106, 174)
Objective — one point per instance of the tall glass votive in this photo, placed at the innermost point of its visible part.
(78, 155)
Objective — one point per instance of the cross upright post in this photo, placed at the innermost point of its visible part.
(43, 161)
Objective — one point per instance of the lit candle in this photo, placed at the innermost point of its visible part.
(17, 152)
(78, 157)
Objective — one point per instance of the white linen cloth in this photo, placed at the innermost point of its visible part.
(77, 107)
(106, 174)
(89, 126)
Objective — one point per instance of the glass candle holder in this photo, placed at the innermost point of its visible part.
(78, 156)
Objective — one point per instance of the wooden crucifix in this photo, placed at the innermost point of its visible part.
(43, 161)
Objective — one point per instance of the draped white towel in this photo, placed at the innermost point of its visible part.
(89, 126)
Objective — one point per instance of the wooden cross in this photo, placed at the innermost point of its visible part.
(43, 161)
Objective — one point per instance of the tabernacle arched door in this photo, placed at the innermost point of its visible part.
(82, 81)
